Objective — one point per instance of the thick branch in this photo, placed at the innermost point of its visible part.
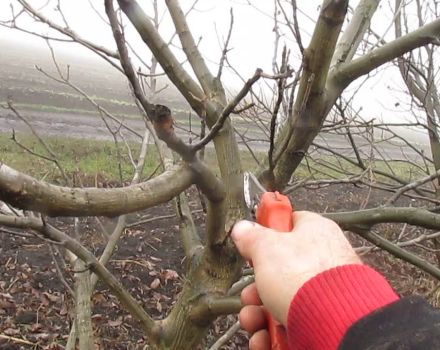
(216, 307)
(214, 191)
(344, 74)
(25, 192)
(161, 50)
(310, 107)
(188, 231)
(195, 59)
(353, 34)
(363, 219)
(125, 59)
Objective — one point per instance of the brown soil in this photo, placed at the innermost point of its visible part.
(35, 306)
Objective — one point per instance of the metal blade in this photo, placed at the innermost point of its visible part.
(252, 190)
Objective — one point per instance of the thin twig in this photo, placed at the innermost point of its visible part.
(227, 111)
(225, 46)
(226, 337)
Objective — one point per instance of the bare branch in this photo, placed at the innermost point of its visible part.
(67, 31)
(240, 285)
(228, 110)
(125, 59)
(189, 46)
(281, 87)
(412, 186)
(225, 46)
(353, 34)
(344, 74)
(367, 218)
(188, 231)
(226, 337)
(53, 158)
(26, 192)
(398, 252)
(311, 103)
(216, 307)
(183, 81)
(60, 272)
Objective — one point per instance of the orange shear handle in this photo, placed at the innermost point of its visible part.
(275, 211)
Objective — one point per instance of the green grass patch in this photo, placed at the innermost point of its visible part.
(90, 162)
(55, 109)
(332, 167)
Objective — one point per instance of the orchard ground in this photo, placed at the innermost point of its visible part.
(35, 307)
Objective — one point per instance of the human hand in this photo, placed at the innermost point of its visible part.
(283, 262)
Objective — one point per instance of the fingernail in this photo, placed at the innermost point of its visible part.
(240, 228)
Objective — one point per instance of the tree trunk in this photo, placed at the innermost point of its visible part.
(83, 306)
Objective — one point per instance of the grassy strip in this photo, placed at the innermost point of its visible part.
(180, 115)
(55, 109)
(93, 162)
(90, 162)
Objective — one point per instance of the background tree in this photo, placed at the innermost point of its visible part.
(303, 100)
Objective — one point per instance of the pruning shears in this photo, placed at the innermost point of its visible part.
(272, 210)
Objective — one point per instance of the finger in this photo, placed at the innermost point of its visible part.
(304, 217)
(250, 296)
(252, 318)
(245, 234)
(260, 341)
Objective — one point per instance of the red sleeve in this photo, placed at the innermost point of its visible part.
(327, 305)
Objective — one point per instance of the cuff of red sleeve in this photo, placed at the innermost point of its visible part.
(327, 305)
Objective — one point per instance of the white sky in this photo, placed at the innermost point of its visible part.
(251, 43)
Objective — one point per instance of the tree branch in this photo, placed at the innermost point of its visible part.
(412, 186)
(212, 307)
(125, 59)
(399, 252)
(353, 34)
(344, 74)
(189, 46)
(364, 219)
(226, 336)
(215, 129)
(100, 50)
(25, 192)
(310, 107)
(160, 49)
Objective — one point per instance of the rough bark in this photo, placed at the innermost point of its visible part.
(25, 192)
(311, 105)
(84, 329)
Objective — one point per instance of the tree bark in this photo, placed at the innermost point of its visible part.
(311, 106)
(84, 329)
(25, 192)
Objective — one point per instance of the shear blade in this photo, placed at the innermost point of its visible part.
(252, 190)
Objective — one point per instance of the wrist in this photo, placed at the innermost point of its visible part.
(328, 304)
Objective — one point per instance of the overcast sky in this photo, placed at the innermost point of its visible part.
(251, 43)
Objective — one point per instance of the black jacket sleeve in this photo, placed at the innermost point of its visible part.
(408, 324)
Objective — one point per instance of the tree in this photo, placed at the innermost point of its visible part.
(329, 65)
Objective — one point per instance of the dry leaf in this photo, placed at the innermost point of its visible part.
(155, 284)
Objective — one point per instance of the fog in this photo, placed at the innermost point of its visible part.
(379, 97)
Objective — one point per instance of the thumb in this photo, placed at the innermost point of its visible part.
(245, 234)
